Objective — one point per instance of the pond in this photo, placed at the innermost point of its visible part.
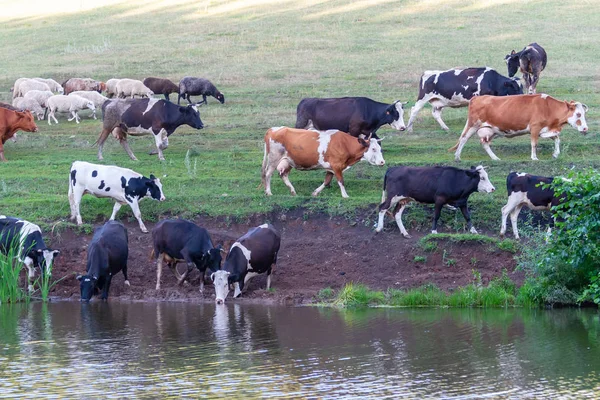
(161, 350)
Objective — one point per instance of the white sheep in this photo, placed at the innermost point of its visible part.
(94, 97)
(71, 104)
(41, 96)
(16, 86)
(29, 85)
(111, 87)
(52, 84)
(29, 104)
(132, 88)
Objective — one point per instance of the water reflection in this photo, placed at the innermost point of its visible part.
(114, 350)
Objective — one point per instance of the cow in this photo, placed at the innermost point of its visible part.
(22, 239)
(179, 240)
(531, 61)
(431, 185)
(12, 120)
(106, 255)
(354, 115)
(455, 87)
(527, 190)
(333, 151)
(537, 114)
(141, 117)
(252, 254)
(122, 185)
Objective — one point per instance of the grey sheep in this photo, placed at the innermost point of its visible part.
(196, 87)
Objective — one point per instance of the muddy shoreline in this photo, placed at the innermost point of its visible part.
(316, 252)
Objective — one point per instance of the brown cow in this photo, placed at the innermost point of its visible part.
(11, 120)
(538, 114)
(333, 151)
(88, 84)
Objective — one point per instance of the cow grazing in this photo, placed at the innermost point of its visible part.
(455, 87)
(431, 185)
(106, 255)
(190, 86)
(141, 117)
(537, 114)
(525, 190)
(252, 254)
(12, 120)
(531, 61)
(333, 151)
(178, 240)
(122, 185)
(354, 115)
(161, 86)
(25, 239)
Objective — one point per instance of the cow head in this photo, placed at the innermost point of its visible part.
(212, 258)
(394, 115)
(43, 258)
(510, 87)
(484, 184)
(87, 286)
(373, 153)
(512, 62)
(221, 98)
(155, 188)
(26, 122)
(577, 116)
(191, 116)
(221, 282)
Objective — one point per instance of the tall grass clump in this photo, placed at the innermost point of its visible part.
(10, 268)
(45, 283)
(353, 295)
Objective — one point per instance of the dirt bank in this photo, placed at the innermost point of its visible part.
(316, 253)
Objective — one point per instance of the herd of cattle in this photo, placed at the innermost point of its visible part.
(331, 134)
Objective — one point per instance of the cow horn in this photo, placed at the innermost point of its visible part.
(369, 137)
(586, 108)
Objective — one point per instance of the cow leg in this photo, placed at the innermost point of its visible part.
(386, 204)
(326, 183)
(135, 207)
(268, 173)
(514, 216)
(506, 211)
(106, 287)
(534, 141)
(340, 181)
(436, 111)
(468, 131)
(413, 113)
(556, 146)
(284, 169)
(485, 137)
(125, 144)
(465, 212)
(101, 139)
(116, 209)
(30, 273)
(159, 145)
(159, 265)
(436, 215)
(399, 220)
(75, 196)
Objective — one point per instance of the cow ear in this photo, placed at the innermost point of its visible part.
(362, 142)
(40, 251)
(152, 177)
(55, 253)
(212, 277)
(79, 277)
(512, 53)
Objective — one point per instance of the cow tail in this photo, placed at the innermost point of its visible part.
(384, 193)
(263, 175)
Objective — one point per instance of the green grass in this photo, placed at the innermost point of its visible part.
(430, 242)
(265, 57)
(10, 269)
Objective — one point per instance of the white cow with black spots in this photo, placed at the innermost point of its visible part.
(122, 185)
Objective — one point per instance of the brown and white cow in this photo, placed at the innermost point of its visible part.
(11, 120)
(333, 151)
(538, 114)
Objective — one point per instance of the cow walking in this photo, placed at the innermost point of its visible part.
(431, 185)
(333, 151)
(536, 114)
(531, 61)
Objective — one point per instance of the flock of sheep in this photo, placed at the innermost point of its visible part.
(46, 97)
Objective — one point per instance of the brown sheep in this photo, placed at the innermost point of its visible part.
(88, 84)
(161, 86)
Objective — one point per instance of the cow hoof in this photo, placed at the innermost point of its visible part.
(157, 287)
(474, 231)
(377, 230)
(434, 232)
(407, 236)
(144, 230)
(127, 283)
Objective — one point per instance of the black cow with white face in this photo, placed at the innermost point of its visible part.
(106, 255)
(531, 61)
(141, 117)
(25, 239)
(431, 185)
(354, 115)
(179, 240)
(252, 254)
(455, 87)
(526, 190)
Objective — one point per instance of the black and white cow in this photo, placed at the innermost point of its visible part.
(122, 185)
(25, 239)
(455, 87)
(178, 240)
(525, 190)
(252, 254)
(141, 117)
(531, 61)
(354, 115)
(106, 255)
(431, 185)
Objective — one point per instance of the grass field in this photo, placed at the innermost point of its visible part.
(265, 56)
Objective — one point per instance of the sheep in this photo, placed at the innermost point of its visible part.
(52, 84)
(198, 86)
(131, 88)
(23, 103)
(29, 85)
(15, 89)
(111, 87)
(87, 84)
(41, 96)
(94, 97)
(72, 104)
(161, 86)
